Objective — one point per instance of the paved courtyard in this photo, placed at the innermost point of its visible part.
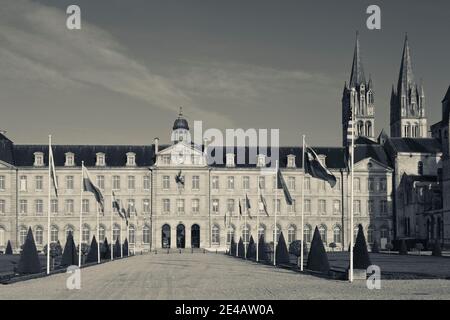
(211, 276)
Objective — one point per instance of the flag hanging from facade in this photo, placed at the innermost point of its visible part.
(116, 205)
(281, 184)
(52, 170)
(179, 179)
(316, 169)
(89, 186)
(264, 204)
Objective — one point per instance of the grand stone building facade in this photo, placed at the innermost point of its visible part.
(165, 213)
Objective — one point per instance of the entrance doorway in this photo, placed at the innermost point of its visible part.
(195, 236)
(181, 236)
(165, 236)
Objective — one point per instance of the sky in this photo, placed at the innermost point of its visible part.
(232, 64)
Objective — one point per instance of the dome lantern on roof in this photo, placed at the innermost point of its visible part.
(180, 129)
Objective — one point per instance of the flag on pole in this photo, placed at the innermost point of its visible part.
(90, 186)
(52, 170)
(240, 207)
(247, 206)
(225, 219)
(116, 205)
(316, 169)
(281, 184)
(124, 213)
(179, 179)
(264, 204)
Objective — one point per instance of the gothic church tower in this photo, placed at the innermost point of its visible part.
(408, 118)
(358, 95)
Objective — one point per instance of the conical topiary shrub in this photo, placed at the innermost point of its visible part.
(93, 251)
(317, 257)
(282, 254)
(8, 249)
(251, 249)
(375, 247)
(403, 248)
(262, 254)
(70, 254)
(361, 259)
(437, 251)
(232, 247)
(29, 260)
(105, 250)
(125, 247)
(116, 248)
(241, 248)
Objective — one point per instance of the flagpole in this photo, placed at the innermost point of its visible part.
(238, 228)
(98, 233)
(112, 212)
(351, 197)
(257, 222)
(303, 205)
(245, 226)
(81, 213)
(49, 202)
(120, 235)
(275, 240)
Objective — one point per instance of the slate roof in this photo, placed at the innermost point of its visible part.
(415, 145)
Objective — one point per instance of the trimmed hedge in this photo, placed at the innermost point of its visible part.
(262, 252)
(125, 247)
(70, 254)
(8, 249)
(241, 249)
(105, 250)
(29, 260)
(93, 251)
(317, 257)
(251, 249)
(403, 248)
(282, 254)
(232, 247)
(361, 259)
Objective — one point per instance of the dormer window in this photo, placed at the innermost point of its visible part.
(131, 159)
(100, 162)
(291, 161)
(261, 160)
(166, 159)
(70, 159)
(38, 159)
(230, 160)
(322, 158)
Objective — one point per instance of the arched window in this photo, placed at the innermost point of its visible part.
(23, 235)
(420, 167)
(337, 234)
(38, 235)
(230, 234)
(101, 233)
(408, 130)
(54, 234)
(360, 128)
(116, 233)
(261, 231)
(307, 233)
(68, 229)
(323, 233)
(2, 236)
(276, 233)
(215, 235)
(246, 234)
(131, 234)
(146, 234)
(292, 233)
(86, 234)
(368, 129)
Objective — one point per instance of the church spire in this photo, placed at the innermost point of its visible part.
(357, 76)
(406, 76)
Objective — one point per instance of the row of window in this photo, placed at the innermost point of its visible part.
(69, 183)
(70, 159)
(87, 234)
(69, 206)
(231, 204)
(292, 234)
